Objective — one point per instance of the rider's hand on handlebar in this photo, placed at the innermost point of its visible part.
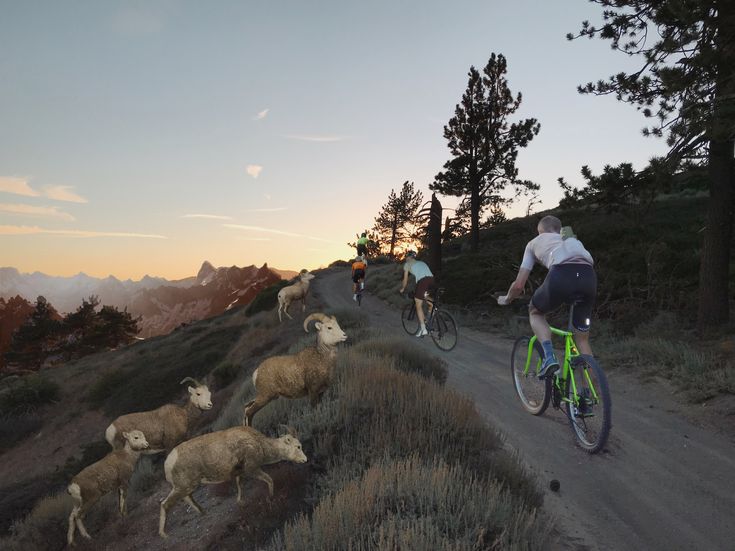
(503, 301)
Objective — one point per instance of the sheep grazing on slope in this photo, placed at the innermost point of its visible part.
(221, 456)
(307, 373)
(166, 426)
(111, 472)
(297, 291)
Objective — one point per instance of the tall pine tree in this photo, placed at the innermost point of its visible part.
(396, 223)
(31, 341)
(484, 143)
(686, 86)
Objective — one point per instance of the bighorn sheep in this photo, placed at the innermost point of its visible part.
(221, 456)
(297, 291)
(166, 426)
(112, 471)
(306, 373)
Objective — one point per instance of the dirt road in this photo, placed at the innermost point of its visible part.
(663, 483)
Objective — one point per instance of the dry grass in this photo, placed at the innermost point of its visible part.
(410, 504)
(365, 437)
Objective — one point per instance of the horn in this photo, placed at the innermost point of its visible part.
(193, 380)
(315, 316)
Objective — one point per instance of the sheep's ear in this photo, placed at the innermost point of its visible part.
(191, 389)
(126, 435)
(318, 325)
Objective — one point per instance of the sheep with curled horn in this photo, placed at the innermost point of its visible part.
(306, 373)
(237, 452)
(297, 291)
(166, 426)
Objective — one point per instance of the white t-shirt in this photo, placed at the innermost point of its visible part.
(550, 249)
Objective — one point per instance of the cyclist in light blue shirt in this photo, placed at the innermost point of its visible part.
(424, 282)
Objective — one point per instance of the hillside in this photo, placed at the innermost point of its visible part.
(644, 265)
(62, 437)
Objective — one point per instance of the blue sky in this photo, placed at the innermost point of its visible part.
(289, 122)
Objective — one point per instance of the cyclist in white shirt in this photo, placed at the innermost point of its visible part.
(571, 279)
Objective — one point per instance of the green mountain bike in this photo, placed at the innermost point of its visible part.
(579, 388)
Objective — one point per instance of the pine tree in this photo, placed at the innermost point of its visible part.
(31, 341)
(484, 144)
(395, 226)
(686, 85)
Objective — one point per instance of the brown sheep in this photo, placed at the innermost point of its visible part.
(109, 473)
(221, 456)
(166, 426)
(307, 373)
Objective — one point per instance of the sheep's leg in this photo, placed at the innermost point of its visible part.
(79, 516)
(285, 311)
(72, 526)
(174, 496)
(122, 494)
(260, 474)
(239, 489)
(190, 500)
(259, 403)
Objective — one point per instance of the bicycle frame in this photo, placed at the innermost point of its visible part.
(567, 373)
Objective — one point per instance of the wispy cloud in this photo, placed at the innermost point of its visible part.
(63, 193)
(314, 138)
(17, 186)
(31, 210)
(276, 232)
(20, 186)
(35, 230)
(254, 170)
(267, 196)
(262, 114)
(243, 238)
(208, 216)
(275, 209)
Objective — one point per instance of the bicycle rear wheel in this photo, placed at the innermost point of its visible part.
(590, 411)
(409, 319)
(444, 331)
(533, 393)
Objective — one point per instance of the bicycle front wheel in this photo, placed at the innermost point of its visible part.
(590, 410)
(409, 319)
(533, 393)
(444, 331)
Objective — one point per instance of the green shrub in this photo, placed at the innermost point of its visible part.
(27, 395)
(267, 299)
(44, 528)
(105, 386)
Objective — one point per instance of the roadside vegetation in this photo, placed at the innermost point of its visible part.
(385, 428)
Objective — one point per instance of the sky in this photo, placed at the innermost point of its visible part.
(144, 137)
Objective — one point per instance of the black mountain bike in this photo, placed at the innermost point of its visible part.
(439, 323)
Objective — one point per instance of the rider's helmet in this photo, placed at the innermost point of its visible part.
(410, 254)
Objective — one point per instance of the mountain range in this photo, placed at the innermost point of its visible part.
(162, 305)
